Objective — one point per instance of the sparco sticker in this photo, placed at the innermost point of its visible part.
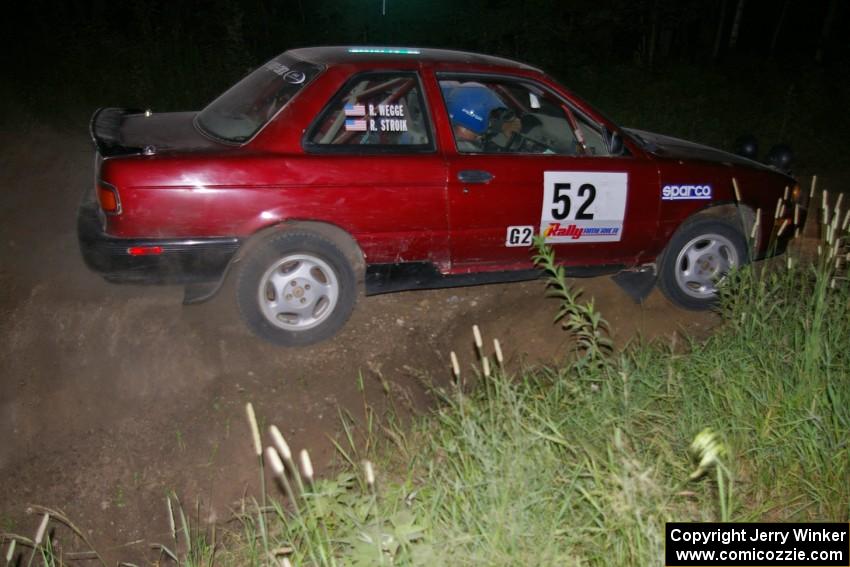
(677, 192)
(583, 206)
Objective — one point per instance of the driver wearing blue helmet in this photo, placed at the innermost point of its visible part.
(472, 107)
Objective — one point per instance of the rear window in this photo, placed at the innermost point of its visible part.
(242, 110)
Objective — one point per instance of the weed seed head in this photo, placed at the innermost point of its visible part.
(498, 348)
(708, 449)
(476, 333)
(274, 461)
(485, 367)
(42, 527)
(738, 191)
(755, 229)
(455, 366)
(281, 444)
(369, 473)
(11, 551)
(255, 431)
(306, 465)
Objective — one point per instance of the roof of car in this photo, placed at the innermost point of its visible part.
(359, 54)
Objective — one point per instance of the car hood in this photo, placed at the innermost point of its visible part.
(676, 148)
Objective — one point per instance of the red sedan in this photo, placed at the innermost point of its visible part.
(334, 169)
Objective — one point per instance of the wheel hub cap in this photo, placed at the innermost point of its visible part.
(298, 292)
(703, 262)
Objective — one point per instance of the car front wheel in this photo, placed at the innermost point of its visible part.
(296, 289)
(697, 258)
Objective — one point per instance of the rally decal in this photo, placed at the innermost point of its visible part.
(685, 192)
(583, 206)
(375, 118)
(519, 236)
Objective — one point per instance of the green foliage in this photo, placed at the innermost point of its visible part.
(585, 463)
(585, 324)
(191, 545)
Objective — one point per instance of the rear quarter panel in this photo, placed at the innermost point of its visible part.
(394, 206)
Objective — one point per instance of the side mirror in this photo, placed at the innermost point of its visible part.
(613, 141)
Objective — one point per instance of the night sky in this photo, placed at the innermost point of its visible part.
(777, 66)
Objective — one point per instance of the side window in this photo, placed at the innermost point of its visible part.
(507, 116)
(374, 112)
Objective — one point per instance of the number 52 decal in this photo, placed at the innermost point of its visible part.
(583, 206)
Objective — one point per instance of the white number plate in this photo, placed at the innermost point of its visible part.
(583, 206)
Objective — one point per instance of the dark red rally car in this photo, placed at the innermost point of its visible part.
(337, 169)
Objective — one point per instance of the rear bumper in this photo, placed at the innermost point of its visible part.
(181, 261)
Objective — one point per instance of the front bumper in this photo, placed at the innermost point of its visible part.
(182, 260)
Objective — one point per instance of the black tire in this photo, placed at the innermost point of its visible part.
(320, 289)
(699, 254)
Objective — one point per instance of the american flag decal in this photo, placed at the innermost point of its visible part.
(355, 109)
(355, 125)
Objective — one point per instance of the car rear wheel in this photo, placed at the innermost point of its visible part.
(697, 258)
(296, 289)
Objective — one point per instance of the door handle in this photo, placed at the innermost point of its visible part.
(474, 176)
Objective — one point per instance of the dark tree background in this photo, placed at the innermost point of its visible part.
(706, 69)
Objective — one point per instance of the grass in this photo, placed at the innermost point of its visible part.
(582, 463)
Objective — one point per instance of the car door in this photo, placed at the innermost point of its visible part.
(539, 166)
(372, 152)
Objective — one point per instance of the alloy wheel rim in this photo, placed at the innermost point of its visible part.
(703, 263)
(298, 292)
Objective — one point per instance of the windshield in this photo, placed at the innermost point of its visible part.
(245, 107)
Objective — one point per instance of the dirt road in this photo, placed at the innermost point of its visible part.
(111, 396)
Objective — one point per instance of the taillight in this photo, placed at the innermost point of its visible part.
(144, 250)
(107, 196)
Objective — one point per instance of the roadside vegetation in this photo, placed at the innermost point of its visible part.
(577, 464)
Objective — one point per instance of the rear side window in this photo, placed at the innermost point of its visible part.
(375, 112)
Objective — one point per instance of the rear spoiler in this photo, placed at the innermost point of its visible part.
(105, 131)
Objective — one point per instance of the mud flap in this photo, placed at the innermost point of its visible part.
(200, 292)
(637, 284)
